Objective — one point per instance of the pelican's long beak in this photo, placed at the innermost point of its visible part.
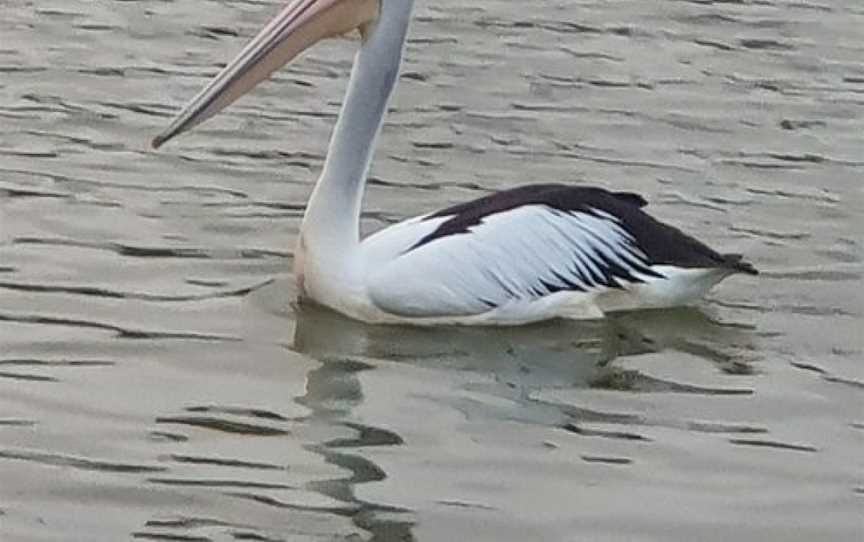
(301, 24)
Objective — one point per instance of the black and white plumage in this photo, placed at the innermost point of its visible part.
(518, 256)
(539, 251)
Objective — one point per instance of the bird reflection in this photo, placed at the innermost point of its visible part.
(558, 354)
(555, 353)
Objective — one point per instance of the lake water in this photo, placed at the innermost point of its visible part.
(156, 383)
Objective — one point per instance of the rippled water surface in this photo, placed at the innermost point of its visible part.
(156, 384)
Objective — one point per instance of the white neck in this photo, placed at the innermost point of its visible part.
(330, 231)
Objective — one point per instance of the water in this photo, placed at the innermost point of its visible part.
(156, 384)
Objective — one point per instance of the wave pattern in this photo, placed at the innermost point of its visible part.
(157, 384)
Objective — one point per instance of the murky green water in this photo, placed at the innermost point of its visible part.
(155, 383)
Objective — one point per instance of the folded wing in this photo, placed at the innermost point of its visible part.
(519, 254)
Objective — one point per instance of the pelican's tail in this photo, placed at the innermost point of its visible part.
(736, 263)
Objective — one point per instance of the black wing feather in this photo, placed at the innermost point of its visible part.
(661, 243)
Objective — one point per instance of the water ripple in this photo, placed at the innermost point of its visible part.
(121, 332)
(759, 443)
(224, 425)
(224, 462)
(257, 420)
(619, 435)
(155, 252)
(634, 381)
(114, 294)
(13, 422)
(219, 484)
(80, 463)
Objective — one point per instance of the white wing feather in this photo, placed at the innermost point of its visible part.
(516, 255)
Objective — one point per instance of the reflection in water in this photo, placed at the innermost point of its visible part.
(519, 356)
(332, 390)
(552, 354)
(521, 362)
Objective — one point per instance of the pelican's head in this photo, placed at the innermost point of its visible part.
(301, 24)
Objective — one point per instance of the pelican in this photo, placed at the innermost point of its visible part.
(518, 256)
